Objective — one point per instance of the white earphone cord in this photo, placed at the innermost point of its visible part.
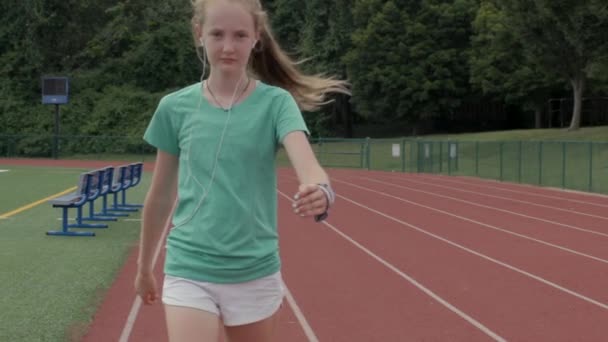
(217, 154)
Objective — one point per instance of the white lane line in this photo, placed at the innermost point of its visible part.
(413, 281)
(510, 199)
(483, 256)
(308, 331)
(494, 208)
(481, 184)
(565, 249)
(310, 334)
(130, 322)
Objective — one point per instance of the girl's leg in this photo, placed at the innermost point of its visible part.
(187, 324)
(262, 331)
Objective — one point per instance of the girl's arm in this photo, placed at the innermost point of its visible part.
(314, 194)
(158, 205)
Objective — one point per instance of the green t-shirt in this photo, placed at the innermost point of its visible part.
(230, 235)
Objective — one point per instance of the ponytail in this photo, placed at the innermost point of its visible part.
(273, 66)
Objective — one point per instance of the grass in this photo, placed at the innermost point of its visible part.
(52, 286)
(596, 134)
(567, 159)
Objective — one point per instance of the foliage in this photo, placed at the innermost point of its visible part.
(407, 61)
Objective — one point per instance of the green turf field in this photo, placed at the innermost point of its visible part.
(51, 286)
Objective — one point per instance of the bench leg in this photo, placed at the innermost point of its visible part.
(80, 224)
(124, 201)
(104, 209)
(65, 228)
(94, 217)
(117, 207)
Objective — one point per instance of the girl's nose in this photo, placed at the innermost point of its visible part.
(228, 45)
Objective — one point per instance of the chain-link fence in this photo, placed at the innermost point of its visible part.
(570, 165)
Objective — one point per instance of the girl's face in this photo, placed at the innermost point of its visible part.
(229, 35)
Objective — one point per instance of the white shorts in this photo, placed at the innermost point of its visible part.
(235, 304)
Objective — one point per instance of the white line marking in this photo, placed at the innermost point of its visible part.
(497, 209)
(130, 322)
(3, 171)
(511, 199)
(483, 256)
(310, 334)
(308, 331)
(421, 287)
(526, 192)
(565, 249)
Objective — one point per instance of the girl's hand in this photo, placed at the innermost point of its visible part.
(309, 201)
(145, 286)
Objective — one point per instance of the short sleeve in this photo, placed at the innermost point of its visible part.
(289, 118)
(162, 132)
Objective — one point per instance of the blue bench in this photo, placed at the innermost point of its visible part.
(132, 178)
(105, 191)
(87, 184)
(96, 184)
(104, 179)
(127, 177)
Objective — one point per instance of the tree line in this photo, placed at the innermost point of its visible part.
(408, 61)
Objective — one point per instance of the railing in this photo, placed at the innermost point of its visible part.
(573, 165)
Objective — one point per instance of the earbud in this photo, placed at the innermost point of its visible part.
(202, 41)
(254, 43)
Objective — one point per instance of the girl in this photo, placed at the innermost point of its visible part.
(216, 142)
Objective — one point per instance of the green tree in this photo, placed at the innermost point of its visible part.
(325, 40)
(409, 59)
(377, 63)
(287, 19)
(567, 37)
(500, 67)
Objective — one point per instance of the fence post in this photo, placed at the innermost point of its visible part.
(421, 162)
(320, 150)
(477, 158)
(440, 156)
(413, 146)
(457, 156)
(368, 152)
(142, 152)
(590, 167)
(540, 163)
(519, 166)
(9, 147)
(449, 158)
(362, 155)
(403, 155)
(563, 165)
(501, 148)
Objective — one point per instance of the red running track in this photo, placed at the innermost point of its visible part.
(424, 258)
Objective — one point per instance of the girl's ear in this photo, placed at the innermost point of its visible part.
(198, 30)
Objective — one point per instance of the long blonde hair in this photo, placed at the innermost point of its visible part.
(272, 65)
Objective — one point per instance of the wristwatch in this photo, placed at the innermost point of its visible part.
(330, 194)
